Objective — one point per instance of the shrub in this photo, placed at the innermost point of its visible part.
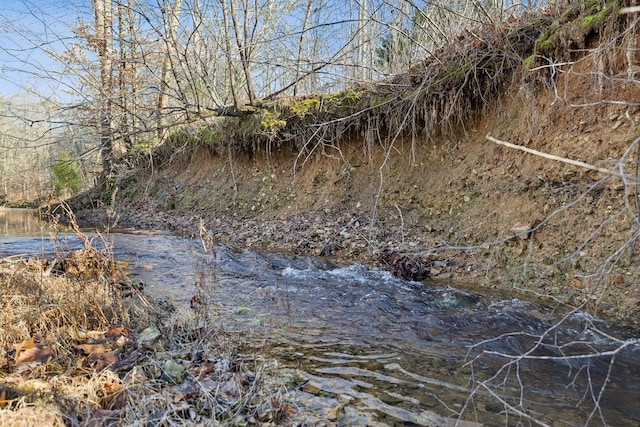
(66, 174)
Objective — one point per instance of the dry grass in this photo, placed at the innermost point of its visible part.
(74, 350)
(63, 322)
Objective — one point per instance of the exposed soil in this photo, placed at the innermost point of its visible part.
(450, 208)
(454, 206)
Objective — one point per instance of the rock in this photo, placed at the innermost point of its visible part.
(521, 231)
(345, 398)
(312, 387)
(243, 311)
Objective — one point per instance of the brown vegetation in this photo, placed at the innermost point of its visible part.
(81, 345)
(398, 172)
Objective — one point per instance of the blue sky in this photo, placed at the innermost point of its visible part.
(27, 30)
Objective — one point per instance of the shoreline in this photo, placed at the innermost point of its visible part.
(340, 234)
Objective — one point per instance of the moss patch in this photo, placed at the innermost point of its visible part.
(304, 107)
(546, 39)
(271, 121)
(592, 21)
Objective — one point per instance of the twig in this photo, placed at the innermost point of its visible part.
(561, 159)
(630, 9)
(401, 225)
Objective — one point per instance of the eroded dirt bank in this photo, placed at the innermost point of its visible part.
(461, 207)
(333, 178)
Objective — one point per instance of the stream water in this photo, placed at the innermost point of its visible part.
(388, 351)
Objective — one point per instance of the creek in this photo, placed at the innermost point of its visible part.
(385, 351)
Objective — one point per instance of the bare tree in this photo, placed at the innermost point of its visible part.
(103, 20)
(171, 16)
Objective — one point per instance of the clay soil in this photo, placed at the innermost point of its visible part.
(459, 207)
(448, 203)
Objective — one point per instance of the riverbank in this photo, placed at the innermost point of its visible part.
(407, 173)
(114, 354)
(344, 234)
(465, 208)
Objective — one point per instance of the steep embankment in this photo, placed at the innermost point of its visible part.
(412, 182)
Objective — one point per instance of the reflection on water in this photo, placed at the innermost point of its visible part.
(21, 223)
(405, 353)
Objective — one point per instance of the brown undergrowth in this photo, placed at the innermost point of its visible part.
(81, 345)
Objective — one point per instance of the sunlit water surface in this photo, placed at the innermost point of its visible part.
(406, 353)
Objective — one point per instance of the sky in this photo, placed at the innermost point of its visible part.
(29, 28)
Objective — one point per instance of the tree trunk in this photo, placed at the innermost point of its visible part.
(305, 24)
(244, 40)
(229, 55)
(103, 15)
(170, 39)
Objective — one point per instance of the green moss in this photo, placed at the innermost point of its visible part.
(528, 62)
(271, 121)
(594, 20)
(545, 40)
(592, 5)
(346, 98)
(182, 137)
(143, 146)
(208, 136)
(304, 107)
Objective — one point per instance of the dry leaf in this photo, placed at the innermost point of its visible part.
(86, 335)
(185, 391)
(100, 361)
(116, 330)
(228, 390)
(576, 284)
(205, 368)
(24, 345)
(111, 387)
(92, 348)
(34, 354)
(289, 410)
(129, 362)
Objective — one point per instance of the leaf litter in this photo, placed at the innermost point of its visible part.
(83, 346)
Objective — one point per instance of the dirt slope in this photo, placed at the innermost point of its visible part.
(446, 206)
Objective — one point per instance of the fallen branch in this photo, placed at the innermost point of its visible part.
(630, 9)
(562, 159)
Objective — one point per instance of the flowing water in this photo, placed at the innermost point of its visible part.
(390, 352)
